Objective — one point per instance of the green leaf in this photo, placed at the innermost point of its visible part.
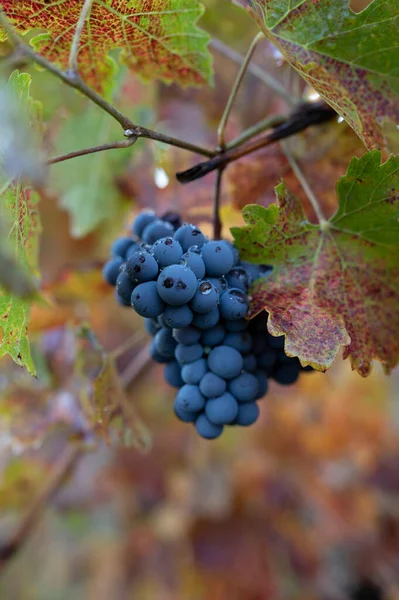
(334, 284)
(350, 59)
(156, 39)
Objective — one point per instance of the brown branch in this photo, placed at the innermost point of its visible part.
(85, 151)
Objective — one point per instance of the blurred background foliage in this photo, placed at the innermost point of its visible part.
(301, 506)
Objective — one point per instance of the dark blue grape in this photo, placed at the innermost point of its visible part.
(172, 374)
(222, 410)
(276, 342)
(238, 325)
(206, 298)
(307, 369)
(177, 285)
(132, 249)
(212, 385)
(225, 361)
(187, 354)
(151, 326)
(220, 283)
(187, 335)
(267, 359)
(165, 343)
(173, 218)
(189, 398)
(193, 261)
(189, 235)
(156, 230)
(142, 220)
(162, 322)
(241, 341)
(213, 337)
(218, 258)
(206, 429)
(178, 317)
(111, 270)
(142, 267)
(208, 320)
(167, 251)
(263, 383)
(259, 343)
(159, 358)
(247, 414)
(194, 372)
(234, 251)
(234, 304)
(250, 363)
(237, 278)
(125, 287)
(120, 246)
(121, 300)
(146, 301)
(185, 415)
(286, 374)
(244, 388)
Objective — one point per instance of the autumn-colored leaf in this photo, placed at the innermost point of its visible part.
(335, 284)
(157, 38)
(350, 59)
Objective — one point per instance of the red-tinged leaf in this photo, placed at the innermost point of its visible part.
(157, 38)
(334, 284)
(350, 59)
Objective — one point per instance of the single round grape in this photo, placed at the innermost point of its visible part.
(206, 298)
(132, 249)
(212, 385)
(218, 258)
(247, 414)
(286, 374)
(254, 272)
(146, 301)
(185, 415)
(187, 335)
(121, 246)
(159, 358)
(173, 218)
(206, 429)
(124, 287)
(250, 363)
(165, 343)
(178, 317)
(120, 300)
(213, 337)
(156, 230)
(234, 251)
(166, 251)
(162, 322)
(151, 326)
(241, 341)
(267, 359)
(234, 304)
(188, 354)
(220, 283)
(238, 325)
(208, 320)
(142, 267)
(222, 410)
(194, 372)
(142, 220)
(237, 278)
(177, 285)
(189, 398)
(189, 235)
(193, 261)
(263, 383)
(172, 374)
(276, 342)
(225, 361)
(111, 270)
(244, 388)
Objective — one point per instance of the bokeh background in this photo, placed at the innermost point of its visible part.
(301, 506)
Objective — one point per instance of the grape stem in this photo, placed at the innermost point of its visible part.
(92, 150)
(73, 55)
(216, 220)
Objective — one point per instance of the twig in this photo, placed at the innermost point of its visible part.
(84, 151)
(217, 223)
(268, 123)
(310, 113)
(304, 184)
(74, 81)
(65, 464)
(73, 55)
(137, 365)
(127, 344)
(255, 70)
(235, 88)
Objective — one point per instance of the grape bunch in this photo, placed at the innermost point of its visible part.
(193, 294)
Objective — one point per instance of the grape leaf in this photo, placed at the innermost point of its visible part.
(157, 38)
(350, 59)
(336, 283)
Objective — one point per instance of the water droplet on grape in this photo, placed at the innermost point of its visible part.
(195, 249)
(205, 288)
